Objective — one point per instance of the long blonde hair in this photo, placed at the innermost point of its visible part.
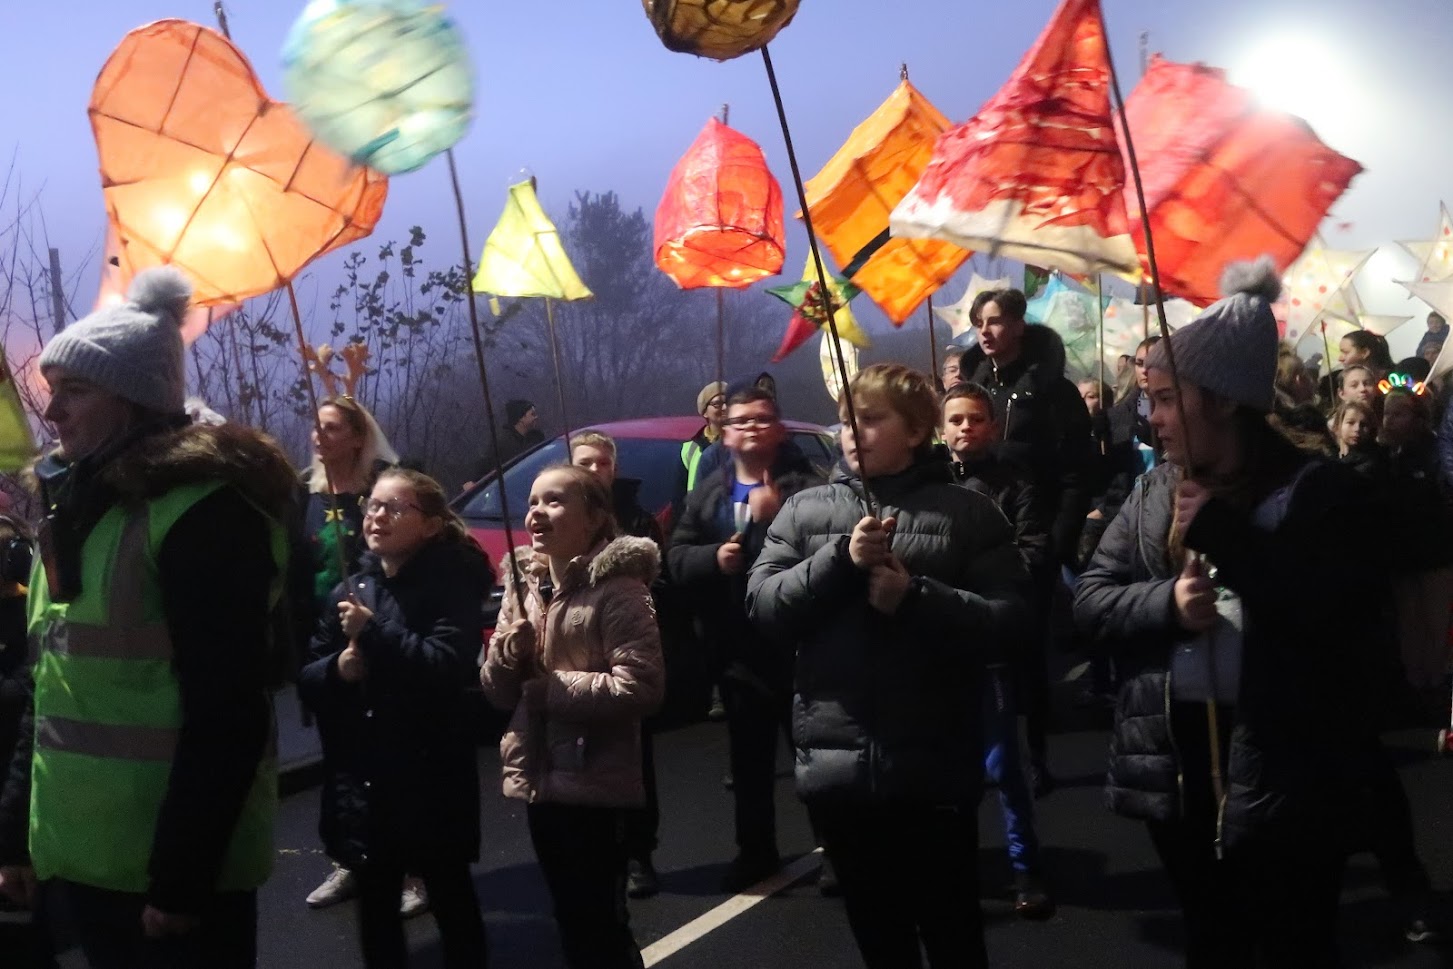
(376, 448)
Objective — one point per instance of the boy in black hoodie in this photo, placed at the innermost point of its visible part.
(970, 430)
(718, 537)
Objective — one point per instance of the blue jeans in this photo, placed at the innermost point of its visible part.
(1002, 764)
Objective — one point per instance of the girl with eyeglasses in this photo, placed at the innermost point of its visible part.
(388, 676)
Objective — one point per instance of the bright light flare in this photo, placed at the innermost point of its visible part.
(1303, 75)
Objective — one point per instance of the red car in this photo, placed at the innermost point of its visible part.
(648, 450)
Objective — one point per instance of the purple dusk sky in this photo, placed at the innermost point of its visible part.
(581, 93)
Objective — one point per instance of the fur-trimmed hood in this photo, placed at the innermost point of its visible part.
(244, 458)
(1042, 354)
(623, 557)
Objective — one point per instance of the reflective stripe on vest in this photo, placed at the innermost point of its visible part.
(691, 457)
(108, 712)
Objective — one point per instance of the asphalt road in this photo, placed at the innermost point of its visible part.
(1115, 908)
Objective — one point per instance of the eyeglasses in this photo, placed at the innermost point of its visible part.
(750, 420)
(716, 402)
(394, 510)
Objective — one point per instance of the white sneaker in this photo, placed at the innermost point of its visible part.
(339, 886)
(414, 901)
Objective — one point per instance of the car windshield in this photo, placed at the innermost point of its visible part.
(655, 463)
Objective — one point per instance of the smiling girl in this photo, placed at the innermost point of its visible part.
(389, 677)
(579, 670)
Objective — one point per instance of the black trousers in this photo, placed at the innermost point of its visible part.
(452, 901)
(643, 824)
(755, 719)
(890, 862)
(582, 855)
(107, 926)
(1390, 830)
(1270, 901)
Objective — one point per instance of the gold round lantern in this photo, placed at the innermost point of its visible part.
(719, 29)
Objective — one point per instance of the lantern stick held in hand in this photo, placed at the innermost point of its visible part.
(517, 580)
(824, 293)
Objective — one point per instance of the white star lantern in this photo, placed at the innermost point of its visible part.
(957, 315)
(1434, 256)
(1319, 283)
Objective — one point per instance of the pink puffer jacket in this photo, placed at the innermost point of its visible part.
(575, 736)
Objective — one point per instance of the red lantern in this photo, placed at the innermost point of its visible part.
(720, 220)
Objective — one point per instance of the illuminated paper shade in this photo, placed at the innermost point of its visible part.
(1318, 284)
(17, 443)
(1225, 181)
(1435, 255)
(827, 360)
(719, 29)
(1036, 175)
(115, 282)
(852, 197)
(386, 82)
(808, 316)
(523, 256)
(200, 169)
(720, 219)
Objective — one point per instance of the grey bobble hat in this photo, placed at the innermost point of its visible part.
(132, 349)
(1230, 349)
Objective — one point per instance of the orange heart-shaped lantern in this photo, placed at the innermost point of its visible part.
(201, 169)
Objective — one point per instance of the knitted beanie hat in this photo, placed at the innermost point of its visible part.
(1230, 349)
(132, 349)
(709, 393)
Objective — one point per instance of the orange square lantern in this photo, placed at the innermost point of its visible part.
(720, 221)
(852, 197)
(201, 169)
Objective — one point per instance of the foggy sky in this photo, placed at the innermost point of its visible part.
(582, 94)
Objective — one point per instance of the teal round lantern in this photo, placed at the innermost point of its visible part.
(386, 82)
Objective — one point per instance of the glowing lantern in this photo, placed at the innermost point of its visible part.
(1036, 175)
(807, 311)
(523, 256)
(200, 169)
(719, 29)
(853, 195)
(1225, 180)
(386, 82)
(720, 220)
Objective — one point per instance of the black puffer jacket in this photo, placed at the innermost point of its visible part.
(887, 707)
(1046, 428)
(719, 601)
(402, 781)
(1012, 487)
(1313, 677)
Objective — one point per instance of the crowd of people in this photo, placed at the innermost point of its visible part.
(890, 618)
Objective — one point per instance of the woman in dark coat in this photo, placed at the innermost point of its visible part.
(1248, 726)
(388, 677)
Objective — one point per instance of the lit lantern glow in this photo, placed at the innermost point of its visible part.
(719, 29)
(523, 256)
(199, 168)
(720, 221)
(386, 82)
(853, 195)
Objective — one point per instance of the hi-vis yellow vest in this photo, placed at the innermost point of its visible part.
(108, 710)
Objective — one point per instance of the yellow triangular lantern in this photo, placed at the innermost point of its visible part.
(523, 256)
(17, 444)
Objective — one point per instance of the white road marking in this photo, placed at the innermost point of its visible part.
(667, 946)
